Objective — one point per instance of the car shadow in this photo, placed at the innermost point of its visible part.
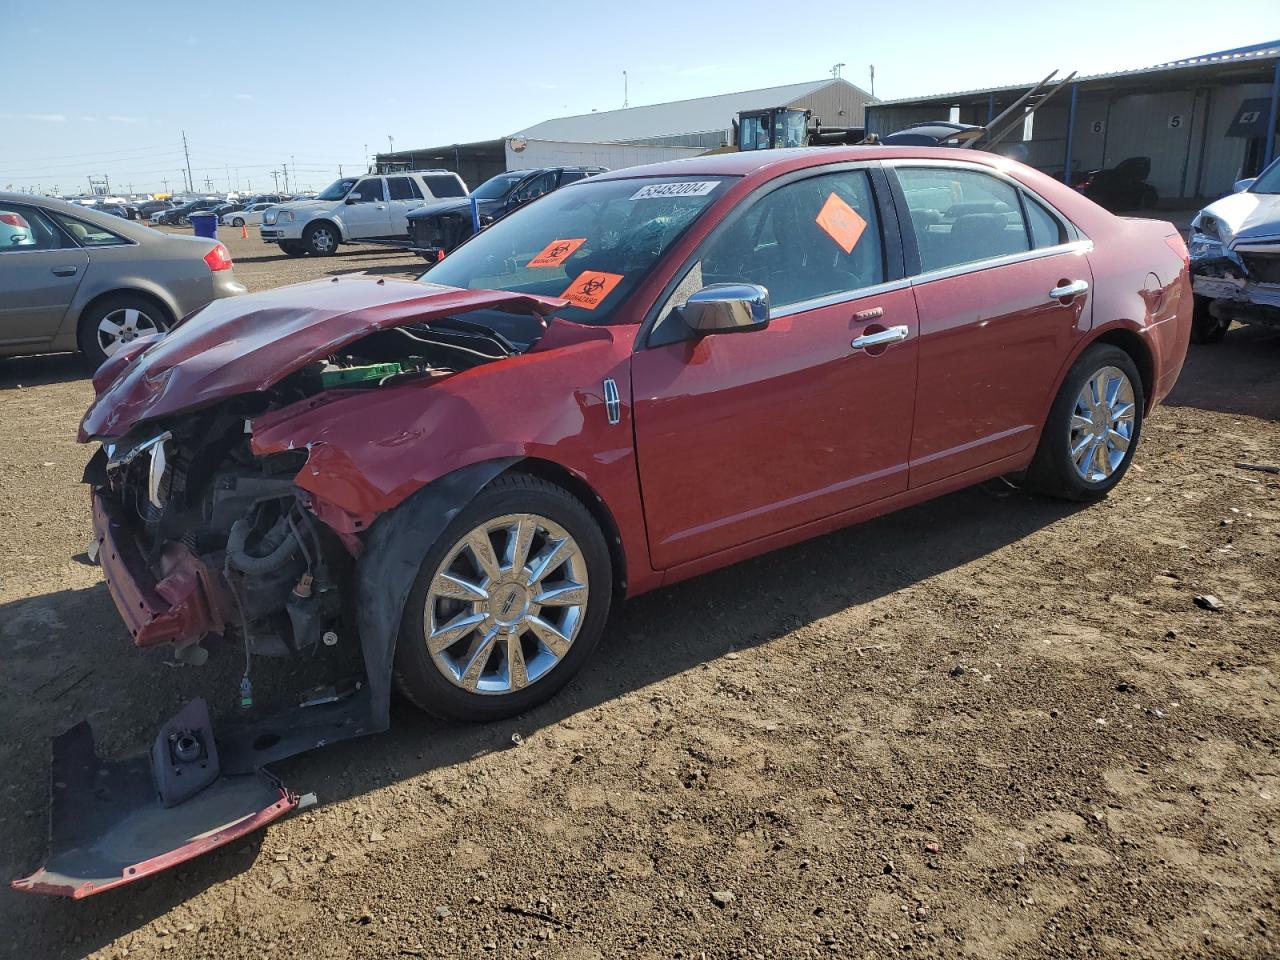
(649, 639)
(42, 369)
(1239, 375)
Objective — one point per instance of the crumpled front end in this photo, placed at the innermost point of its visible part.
(1236, 267)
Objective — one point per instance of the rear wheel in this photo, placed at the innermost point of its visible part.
(238, 222)
(321, 239)
(1093, 427)
(1205, 327)
(508, 604)
(293, 248)
(117, 320)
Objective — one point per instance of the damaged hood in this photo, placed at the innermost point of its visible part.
(1245, 218)
(245, 344)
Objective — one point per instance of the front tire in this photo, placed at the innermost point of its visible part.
(238, 222)
(508, 604)
(292, 248)
(117, 320)
(1093, 427)
(321, 239)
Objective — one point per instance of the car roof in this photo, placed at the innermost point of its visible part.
(747, 163)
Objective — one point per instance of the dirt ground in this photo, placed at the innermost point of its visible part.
(989, 726)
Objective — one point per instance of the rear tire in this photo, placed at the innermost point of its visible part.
(451, 683)
(292, 248)
(1093, 427)
(321, 239)
(238, 222)
(1205, 327)
(117, 320)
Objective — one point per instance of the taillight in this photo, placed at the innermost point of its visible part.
(14, 220)
(1179, 246)
(218, 258)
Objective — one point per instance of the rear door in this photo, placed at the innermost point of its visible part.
(369, 215)
(40, 271)
(403, 197)
(740, 436)
(1002, 289)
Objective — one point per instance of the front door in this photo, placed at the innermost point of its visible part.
(40, 271)
(739, 436)
(369, 216)
(992, 332)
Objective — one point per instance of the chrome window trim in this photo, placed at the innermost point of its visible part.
(834, 299)
(944, 273)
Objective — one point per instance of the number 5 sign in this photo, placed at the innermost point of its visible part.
(1175, 121)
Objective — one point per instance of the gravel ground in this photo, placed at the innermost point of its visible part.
(989, 726)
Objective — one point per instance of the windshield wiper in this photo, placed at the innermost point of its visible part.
(480, 330)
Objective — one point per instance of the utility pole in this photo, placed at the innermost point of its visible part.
(275, 175)
(185, 152)
(286, 177)
(391, 144)
(873, 79)
(366, 158)
(165, 181)
(625, 98)
(835, 70)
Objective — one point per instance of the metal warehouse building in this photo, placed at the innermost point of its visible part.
(1205, 121)
(634, 135)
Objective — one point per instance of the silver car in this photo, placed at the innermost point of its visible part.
(73, 278)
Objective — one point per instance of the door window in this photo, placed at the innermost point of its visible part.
(809, 239)
(22, 229)
(543, 183)
(961, 216)
(368, 191)
(571, 175)
(403, 188)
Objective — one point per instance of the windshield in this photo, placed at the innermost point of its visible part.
(497, 187)
(590, 243)
(338, 189)
(1268, 181)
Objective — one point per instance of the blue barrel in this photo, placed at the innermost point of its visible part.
(204, 225)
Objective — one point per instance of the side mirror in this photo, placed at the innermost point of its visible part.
(352, 199)
(727, 308)
(1240, 186)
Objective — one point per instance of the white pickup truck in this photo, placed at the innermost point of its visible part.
(352, 209)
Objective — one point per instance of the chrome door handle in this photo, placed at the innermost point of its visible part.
(64, 271)
(891, 335)
(1069, 289)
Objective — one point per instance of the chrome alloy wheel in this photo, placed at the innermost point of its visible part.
(506, 603)
(1102, 424)
(122, 326)
(323, 240)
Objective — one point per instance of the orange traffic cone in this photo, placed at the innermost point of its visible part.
(244, 232)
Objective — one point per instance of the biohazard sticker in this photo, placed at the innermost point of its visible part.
(556, 252)
(590, 288)
(841, 222)
(686, 188)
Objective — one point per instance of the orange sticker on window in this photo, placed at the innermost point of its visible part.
(841, 222)
(590, 288)
(556, 252)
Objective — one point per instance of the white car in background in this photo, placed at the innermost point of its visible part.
(372, 207)
(250, 216)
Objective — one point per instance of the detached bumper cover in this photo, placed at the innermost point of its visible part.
(185, 603)
(108, 826)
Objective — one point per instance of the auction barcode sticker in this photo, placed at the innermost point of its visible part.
(685, 188)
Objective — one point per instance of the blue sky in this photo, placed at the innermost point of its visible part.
(107, 87)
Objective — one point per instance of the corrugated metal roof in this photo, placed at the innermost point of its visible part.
(699, 115)
(1260, 51)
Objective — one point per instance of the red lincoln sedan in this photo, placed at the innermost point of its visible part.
(640, 377)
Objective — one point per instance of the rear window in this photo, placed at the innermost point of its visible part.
(444, 186)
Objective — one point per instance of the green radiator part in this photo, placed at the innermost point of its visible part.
(349, 375)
